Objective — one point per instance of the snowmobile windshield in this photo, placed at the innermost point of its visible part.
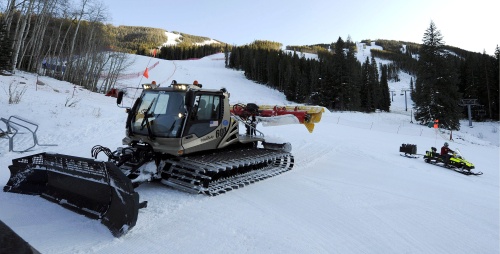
(161, 112)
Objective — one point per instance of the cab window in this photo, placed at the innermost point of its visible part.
(206, 115)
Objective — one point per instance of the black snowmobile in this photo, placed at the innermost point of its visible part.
(455, 162)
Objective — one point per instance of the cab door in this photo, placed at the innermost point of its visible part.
(205, 116)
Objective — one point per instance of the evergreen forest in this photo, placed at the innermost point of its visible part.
(444, 76)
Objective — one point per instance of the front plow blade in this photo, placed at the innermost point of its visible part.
(96, 189)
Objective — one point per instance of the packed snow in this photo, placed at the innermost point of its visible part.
(350, 191)
(174, 38)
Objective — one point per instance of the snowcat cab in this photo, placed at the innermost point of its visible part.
(172, 120)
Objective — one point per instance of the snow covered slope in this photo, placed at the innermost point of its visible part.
(349, 192)
(174, 38)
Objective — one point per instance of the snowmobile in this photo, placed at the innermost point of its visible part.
(183, 136)
(455, 162)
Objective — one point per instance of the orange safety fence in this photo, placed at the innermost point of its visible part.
(131, 75)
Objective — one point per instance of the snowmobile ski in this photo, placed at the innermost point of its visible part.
(409, 156)
(458, 170)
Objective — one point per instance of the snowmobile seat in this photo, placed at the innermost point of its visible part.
(434, 152)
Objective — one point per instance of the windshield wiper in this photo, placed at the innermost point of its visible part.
(145, 121)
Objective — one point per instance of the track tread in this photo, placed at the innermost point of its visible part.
(220, 172)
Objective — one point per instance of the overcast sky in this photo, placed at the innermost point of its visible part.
(470, 25)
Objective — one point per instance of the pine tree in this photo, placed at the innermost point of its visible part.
(374, 82)
(5, 49)
(226, 56)
(436, 94)
(496, 68)
(385, 99)
(353, 76)
(492, 81)
(366, 87)
(339, 75)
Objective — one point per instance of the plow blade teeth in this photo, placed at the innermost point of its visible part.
(96, 189)
(315, 114)
(309, 126)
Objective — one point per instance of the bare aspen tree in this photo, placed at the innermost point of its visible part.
(58, 57)
(118, 63)
(9, 13)
(21, 31)
(44, 14)
(59, 13)
(24, 41)
(89, 56)
(79, 17)
(95, 41)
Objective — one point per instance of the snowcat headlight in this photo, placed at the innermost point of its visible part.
(180, 87)
(146, 86)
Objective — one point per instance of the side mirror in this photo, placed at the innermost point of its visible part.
(189, 99)
(120, 97)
